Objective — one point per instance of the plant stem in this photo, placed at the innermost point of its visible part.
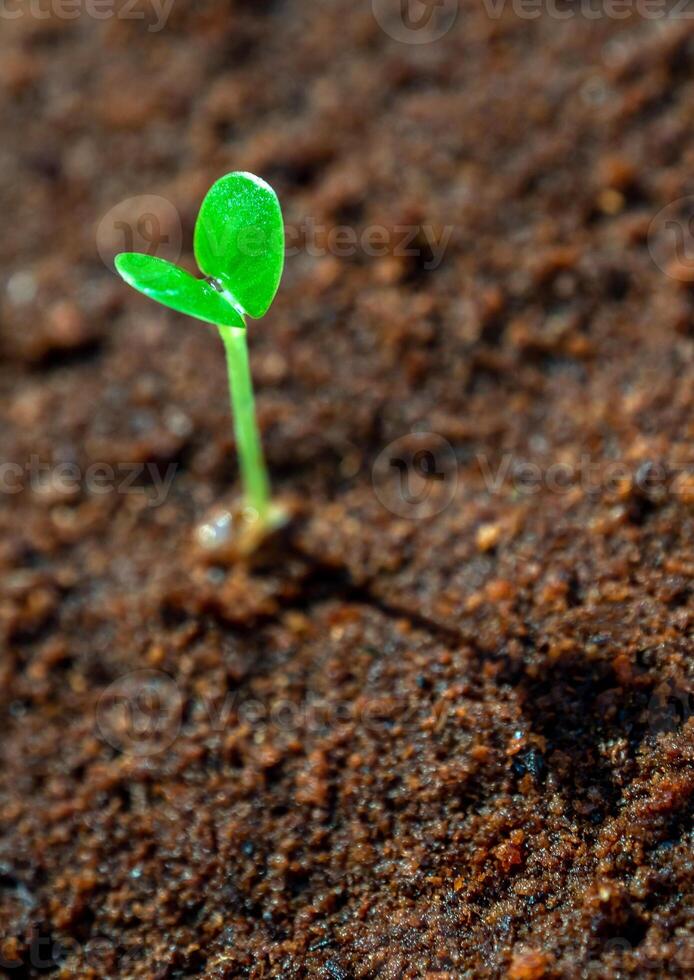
(254, 476)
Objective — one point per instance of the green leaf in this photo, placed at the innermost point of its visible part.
(176, 288)
(239, 240)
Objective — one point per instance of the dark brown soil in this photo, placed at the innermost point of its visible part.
(424, 743)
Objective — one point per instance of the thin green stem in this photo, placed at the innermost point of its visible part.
(254, 476)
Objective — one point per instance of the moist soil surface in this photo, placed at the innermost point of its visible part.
(442, 727)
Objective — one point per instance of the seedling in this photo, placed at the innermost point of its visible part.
(239, 248)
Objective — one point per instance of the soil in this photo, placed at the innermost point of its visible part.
(443, 727)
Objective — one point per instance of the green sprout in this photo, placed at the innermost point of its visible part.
(239, 248)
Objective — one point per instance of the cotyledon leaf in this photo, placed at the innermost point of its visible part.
(239, 240)
(177, 289)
